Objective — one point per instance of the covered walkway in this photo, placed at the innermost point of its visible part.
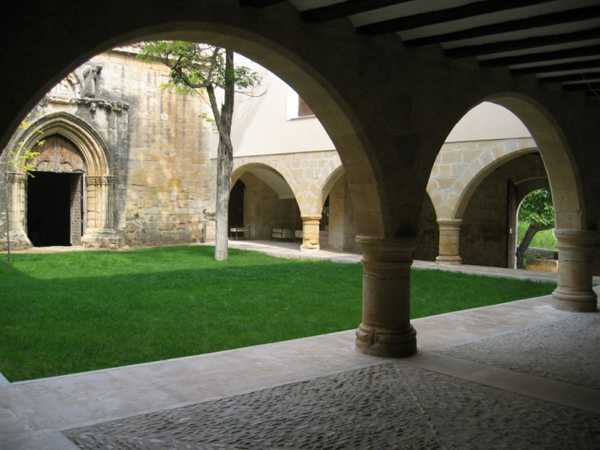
(520, 375)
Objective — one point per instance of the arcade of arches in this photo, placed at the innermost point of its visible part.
(387, 109)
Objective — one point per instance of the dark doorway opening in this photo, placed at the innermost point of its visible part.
(236, 205)
(54, 209)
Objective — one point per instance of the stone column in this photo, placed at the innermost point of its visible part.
(310, 232)
(100, 232)
(574, 290)
(449, 242)
(17, 199)
(385, 329)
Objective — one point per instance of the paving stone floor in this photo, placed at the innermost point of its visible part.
(534, 351)
(387, 406)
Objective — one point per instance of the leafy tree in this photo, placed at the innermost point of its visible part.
(537, 210)
(17, 163)
(197, 69)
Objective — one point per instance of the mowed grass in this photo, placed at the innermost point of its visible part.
(71, 312)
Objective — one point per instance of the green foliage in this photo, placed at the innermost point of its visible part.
(542, 239)
(70, 312)
(20, 157)
(195, 67)
(538, 208)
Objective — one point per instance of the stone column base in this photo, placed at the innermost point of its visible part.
(387, 342)
(100, 238)
(18, 241)
(573, 300)
(449, 260)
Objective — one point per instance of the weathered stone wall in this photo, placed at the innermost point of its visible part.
(167, 178)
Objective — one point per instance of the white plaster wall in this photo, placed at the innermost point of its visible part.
(261, 125)
(488, 121)
(267, 123)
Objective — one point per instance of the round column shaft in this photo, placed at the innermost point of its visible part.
(385, 329)
(449, 251)
(574, 290)
(310, 233)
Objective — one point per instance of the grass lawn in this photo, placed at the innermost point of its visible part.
(71, 312)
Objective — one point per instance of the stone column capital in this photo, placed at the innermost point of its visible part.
(393, 250)
(569, 239)
(310, 217)
(449, 224)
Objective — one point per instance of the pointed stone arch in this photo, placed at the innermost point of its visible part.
(98, 227)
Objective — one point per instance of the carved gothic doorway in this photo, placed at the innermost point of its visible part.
(55, 195)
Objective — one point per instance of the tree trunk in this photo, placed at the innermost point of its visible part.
(224, 162)
(8, 207)
(524, 245)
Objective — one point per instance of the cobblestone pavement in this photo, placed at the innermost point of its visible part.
(534, 351)
(388, 406)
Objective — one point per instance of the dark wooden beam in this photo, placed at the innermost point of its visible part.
(443, 16)
(522, 44)
(580, 52)
(345, 9)
(582, 87)
(571, 77)
(259, 3)
(578, 65)
(558, 18)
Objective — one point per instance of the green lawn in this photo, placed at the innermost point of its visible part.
(71, 312)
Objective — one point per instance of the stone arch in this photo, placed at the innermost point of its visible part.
(476, 172)
(98, 180)
(84, 137)
(330, 174)
(269, 201)
(556, 152)
(241, 166)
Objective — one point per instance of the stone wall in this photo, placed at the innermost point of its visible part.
(155, 144)
(342, 226)
(168, 170)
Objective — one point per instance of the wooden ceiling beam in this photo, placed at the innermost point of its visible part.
(565, 67)
(345, 9)
(557, 18)
(259, 3)
(522, 44)
(571, 77)
(580, 52)
(582, 87)
(444, 15)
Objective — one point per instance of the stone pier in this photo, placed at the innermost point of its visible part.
(575, 257)
(310, 232)
(385, 329)
(449, 252)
